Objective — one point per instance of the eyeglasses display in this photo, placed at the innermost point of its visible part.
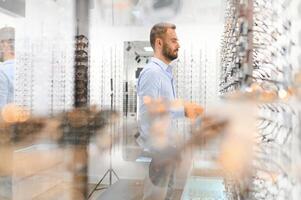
(235, 47)
(44, 57)
(193, 73)
(34, 65)
(257, 49)
(106, 75)
(81, 71)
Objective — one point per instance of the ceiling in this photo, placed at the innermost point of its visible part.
(141, 12)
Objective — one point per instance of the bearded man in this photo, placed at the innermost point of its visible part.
(156, 82)
(7, 68)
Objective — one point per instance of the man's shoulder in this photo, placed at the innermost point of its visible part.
(6, 66)
(150, 69)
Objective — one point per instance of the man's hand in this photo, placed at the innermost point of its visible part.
(193, 110)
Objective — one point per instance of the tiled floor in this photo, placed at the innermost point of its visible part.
(63, 192)
(127, 190)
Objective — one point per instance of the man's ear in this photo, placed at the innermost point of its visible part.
(159, 42)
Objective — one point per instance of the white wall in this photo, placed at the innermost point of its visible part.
(7, 20)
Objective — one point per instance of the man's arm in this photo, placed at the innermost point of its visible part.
(149, 84)
(190, 110)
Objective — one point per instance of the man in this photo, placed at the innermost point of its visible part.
(7, 55)
(156, 82)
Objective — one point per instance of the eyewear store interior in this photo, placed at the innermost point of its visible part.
(69, 129)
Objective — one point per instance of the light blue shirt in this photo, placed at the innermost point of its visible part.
(156, 81)
(7, 70)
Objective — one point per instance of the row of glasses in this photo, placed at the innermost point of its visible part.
(271, 48)
(235, 46)
(61, 77)
(34, 65)
(81, 71)
(272, 63)
(272, 41)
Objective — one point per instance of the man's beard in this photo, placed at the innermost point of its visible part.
(167, 53)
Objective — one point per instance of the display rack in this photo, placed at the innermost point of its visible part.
(256, 63)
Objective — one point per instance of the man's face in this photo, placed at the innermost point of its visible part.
(5, 49)
(170, 46)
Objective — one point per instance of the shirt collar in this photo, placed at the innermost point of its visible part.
(8, 62)
(161, 64)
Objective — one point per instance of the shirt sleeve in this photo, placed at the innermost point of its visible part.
(177, 113)
(149, 84)
(3, 89)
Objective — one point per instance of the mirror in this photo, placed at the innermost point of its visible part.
(41, 78)
(136, 56)
(7, 57)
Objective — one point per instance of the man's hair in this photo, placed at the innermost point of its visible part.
(158, 31)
